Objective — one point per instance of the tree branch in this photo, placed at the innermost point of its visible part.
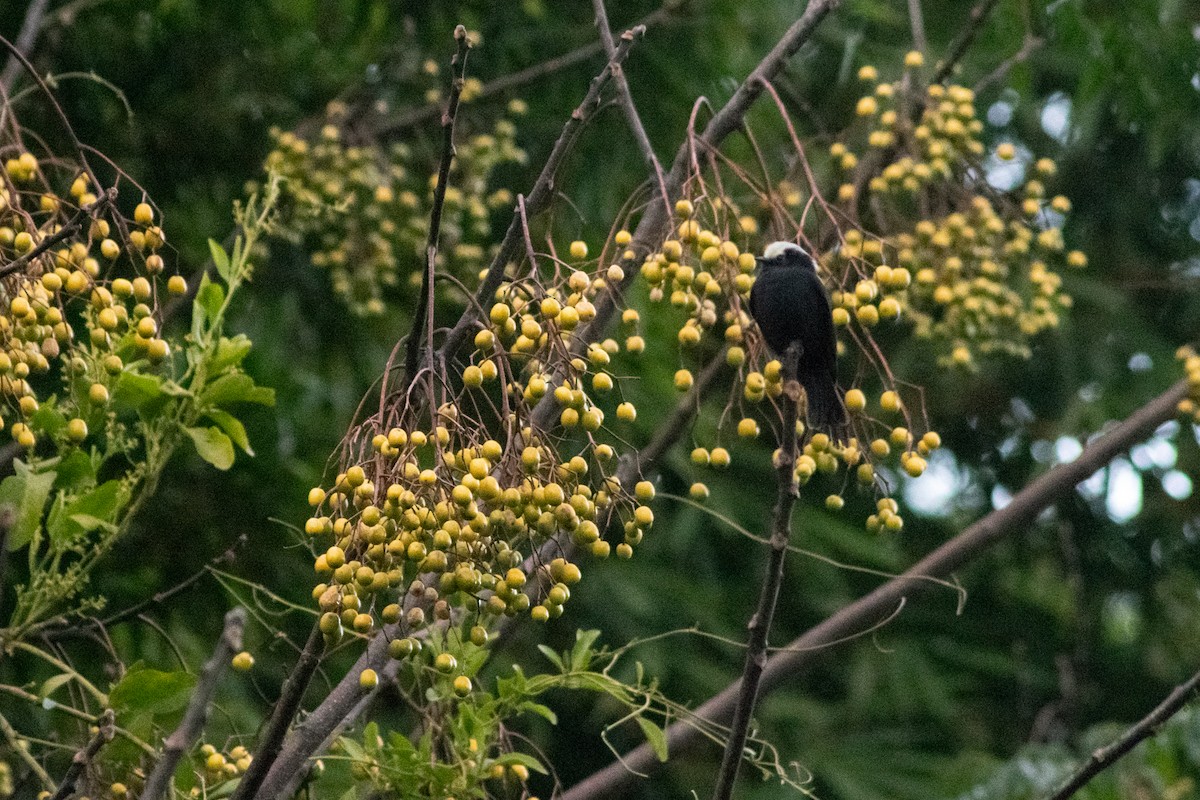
(538, 199)
(72, 225)
(958, 48)
(194, 719)
(878, 604)
(271, 741)
(760, 623)
(1147, 726)
(81, 758)
(65, 628)
(424, 313)
(419, 116)
(626, 99)
(31, 26)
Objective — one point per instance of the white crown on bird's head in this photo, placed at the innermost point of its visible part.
(776, 249)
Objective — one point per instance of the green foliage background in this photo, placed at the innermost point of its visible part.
(933, 704)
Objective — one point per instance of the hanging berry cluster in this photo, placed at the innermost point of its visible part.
(976, 271)
(465, 493)
(361, 209)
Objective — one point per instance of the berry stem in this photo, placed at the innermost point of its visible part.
(759, 627)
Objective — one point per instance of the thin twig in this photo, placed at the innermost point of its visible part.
(419, 116)
(1031, 45)
(759, 628)
(1013, 519)
(70, 629)
(194, 719)
(424, 312)
(66, 787)
(69, 228)
(16, 745)
(282, 715)
(31, 26)
(958, 48)
(342, 699)
(537, 200)
(1147, 726)
(627, 105)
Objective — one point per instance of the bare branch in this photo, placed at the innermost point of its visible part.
(1147, 726)
(864, 612)
(760, 623)
(271, 740)
(538, 199)
(82, 757)
(916, 20)
(183, 737)
(627, 105)
(424, 313)
(31, 26)
(958, 48)
(418, 116)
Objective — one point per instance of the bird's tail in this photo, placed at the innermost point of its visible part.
(826, 411)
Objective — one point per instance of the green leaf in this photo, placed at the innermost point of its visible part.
(230, 352)
(213, 446)
(207, 305)
(553, 657)
(76, 472)
(508, 759)
(655, 736)
(48, 418)
(151, 691)
(220, 259)
(581, 653)
(236, 388)
(96, 509)
(25, 493)
(233, 427)
(140, 392)
(543, 711)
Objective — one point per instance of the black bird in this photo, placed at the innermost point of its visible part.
(790, 304)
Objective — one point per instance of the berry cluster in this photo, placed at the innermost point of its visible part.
(62, 304)
(984, 269)
(362, 211)
(708, 277)
(452, 508)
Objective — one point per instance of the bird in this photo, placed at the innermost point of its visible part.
(790, 304)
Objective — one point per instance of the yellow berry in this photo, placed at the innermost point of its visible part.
(143, 214)
(855, 400)
(242, 662)
(368, 679)
(579, 250)
(747, 428)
